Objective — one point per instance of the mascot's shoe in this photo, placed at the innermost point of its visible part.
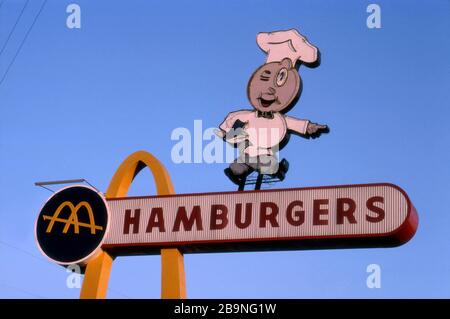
(238, 172)
(283, 167)
(236, 179)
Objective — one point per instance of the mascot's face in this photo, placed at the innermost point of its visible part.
(274, 86)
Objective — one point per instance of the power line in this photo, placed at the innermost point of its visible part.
(32, 294)
(23, 41)
(23, 251)
(119, 293)
(14, 27)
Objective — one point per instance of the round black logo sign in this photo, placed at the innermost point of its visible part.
(72, 224)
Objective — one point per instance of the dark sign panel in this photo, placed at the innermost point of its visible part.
(72, 225)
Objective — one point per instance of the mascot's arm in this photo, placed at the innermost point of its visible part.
(232, 129)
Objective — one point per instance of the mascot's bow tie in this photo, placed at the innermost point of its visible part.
(267, 115)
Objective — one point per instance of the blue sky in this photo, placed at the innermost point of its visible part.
(76, 102)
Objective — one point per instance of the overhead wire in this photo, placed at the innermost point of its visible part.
(14, 27)
(32, 294)
(30, 254)
(23, 42)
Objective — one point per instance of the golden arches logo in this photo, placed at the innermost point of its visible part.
(73, 218)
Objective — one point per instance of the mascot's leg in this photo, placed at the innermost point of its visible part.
(238, 171)
(265, 165)
(283, 167)
(269, 165)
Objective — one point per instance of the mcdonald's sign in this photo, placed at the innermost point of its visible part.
(72, 225)
(80, 225)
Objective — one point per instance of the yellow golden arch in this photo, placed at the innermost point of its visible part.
(173, 281)
(73, 218)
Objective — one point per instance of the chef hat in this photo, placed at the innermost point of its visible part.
(286, 44)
